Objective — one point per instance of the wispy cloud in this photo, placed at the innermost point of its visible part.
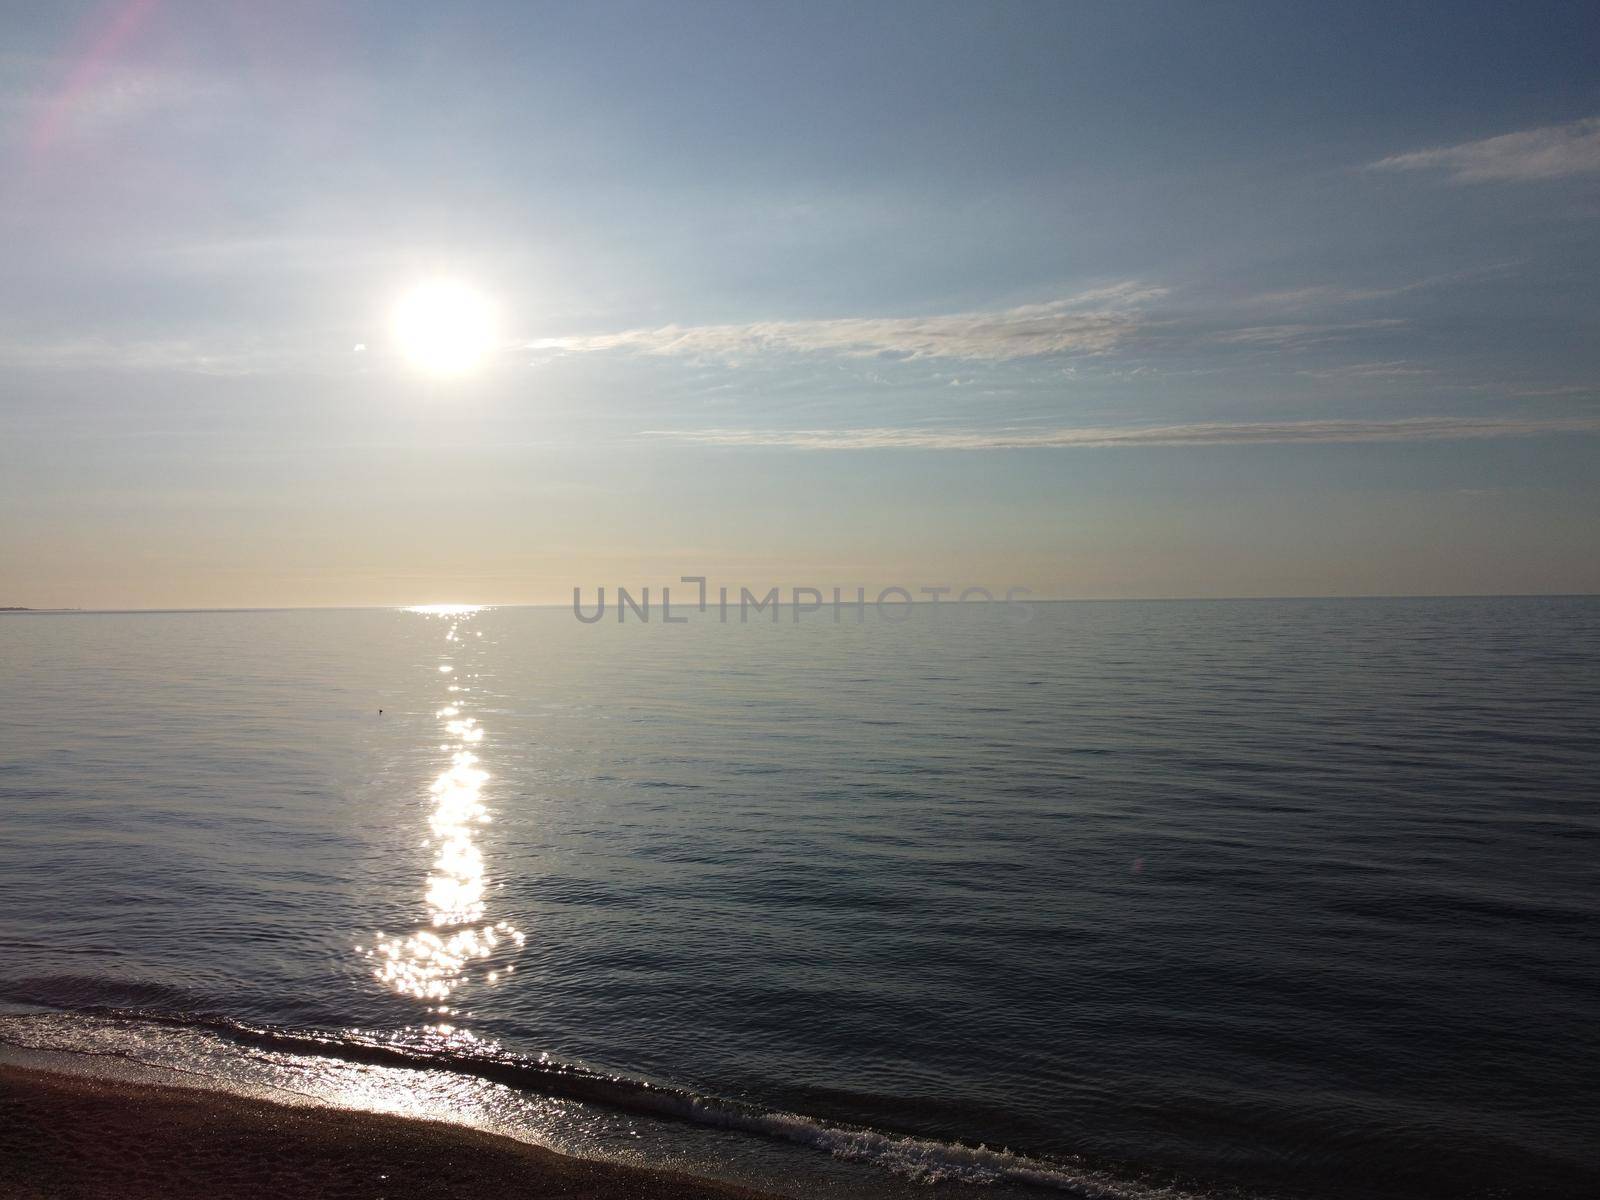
(1091, 322)
(234, 358)
(1549, 152)
(1321, 295)
(1213, 433)
(1398, 369)
(1294, 335)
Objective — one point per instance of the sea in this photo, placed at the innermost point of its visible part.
(1202, 899)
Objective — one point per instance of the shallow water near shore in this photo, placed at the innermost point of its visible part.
(1245, 897)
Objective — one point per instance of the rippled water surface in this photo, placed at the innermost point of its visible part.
(1283, 896)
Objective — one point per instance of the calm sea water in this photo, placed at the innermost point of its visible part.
(1255, 897)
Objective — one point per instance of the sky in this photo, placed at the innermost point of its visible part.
(1096, 299)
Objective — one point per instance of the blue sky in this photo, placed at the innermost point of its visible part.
(1099, 299)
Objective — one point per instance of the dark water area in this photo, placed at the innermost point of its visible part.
(1239, 897)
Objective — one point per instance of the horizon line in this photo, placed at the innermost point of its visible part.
(18, 610)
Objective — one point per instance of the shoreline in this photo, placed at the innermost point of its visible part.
(66, 1135)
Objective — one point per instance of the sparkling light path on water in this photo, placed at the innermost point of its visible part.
(432, 961)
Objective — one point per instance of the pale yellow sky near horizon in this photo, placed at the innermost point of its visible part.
(1162, 564)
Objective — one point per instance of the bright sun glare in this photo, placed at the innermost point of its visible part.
(443, 327)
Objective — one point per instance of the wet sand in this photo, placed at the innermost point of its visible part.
(72, 1136)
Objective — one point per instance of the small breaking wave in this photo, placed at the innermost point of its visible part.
(916, 1159)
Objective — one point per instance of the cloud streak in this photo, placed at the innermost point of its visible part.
(1089, 323)
(1397, 369)
(1299, 336)
(1212, 433)
(1549, 152)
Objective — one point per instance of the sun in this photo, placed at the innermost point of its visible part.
(444, 327)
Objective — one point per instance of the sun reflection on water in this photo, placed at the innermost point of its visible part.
(431, 962)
